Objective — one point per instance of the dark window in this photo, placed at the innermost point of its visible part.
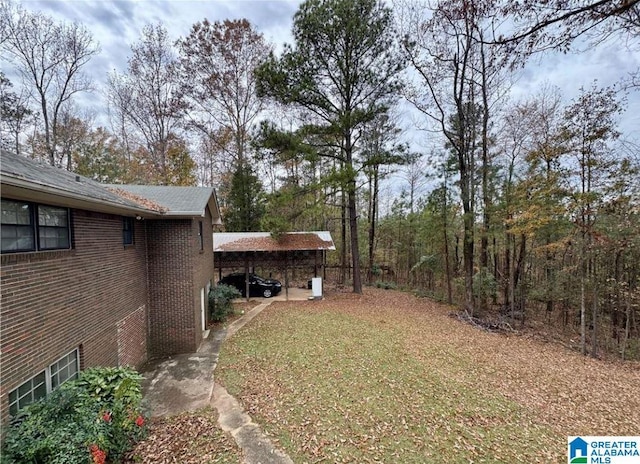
(31, 227)
(53, 228)
(200, 235)
(127, 231)
(18, 231)
(64, 369)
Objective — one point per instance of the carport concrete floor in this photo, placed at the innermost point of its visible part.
(295, 294)
(185, 382)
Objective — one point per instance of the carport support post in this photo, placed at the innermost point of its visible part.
(315, 263)
(246, 275)
(324, 266)
(286, 274)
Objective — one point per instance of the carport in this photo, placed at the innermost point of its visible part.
(286, 252)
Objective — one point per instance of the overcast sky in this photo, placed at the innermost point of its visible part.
(118, 24)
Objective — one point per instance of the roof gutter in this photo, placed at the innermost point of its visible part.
(184, 213)
(191, 214)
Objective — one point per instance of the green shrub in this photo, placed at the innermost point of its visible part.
(108, 384)
(386, 285)
(484, 284)
(119, 387)
(220, 298)
(632, 350)
(58, 429)
(89, 420)
(376, 271)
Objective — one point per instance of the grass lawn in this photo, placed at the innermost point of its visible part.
(387, 377)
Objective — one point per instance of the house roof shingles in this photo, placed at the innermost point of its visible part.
(17, 169)
(172, 199)
(27, 176)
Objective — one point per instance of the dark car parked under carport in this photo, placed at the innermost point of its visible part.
(258, 286)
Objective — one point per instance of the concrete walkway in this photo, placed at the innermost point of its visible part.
(257, 448)
(186, 383)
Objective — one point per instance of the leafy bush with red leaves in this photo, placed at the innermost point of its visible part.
(94, 419)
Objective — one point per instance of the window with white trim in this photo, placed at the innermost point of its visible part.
(64, 369)
(39, 386)
(30, 391)
(33, 227)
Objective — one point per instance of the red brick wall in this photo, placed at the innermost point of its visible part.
(203, 269)
(53, 302)
(178, 270)
(172, 327)
(132, 338)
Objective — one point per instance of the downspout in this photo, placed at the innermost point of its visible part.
(246, 274)
(286, 274)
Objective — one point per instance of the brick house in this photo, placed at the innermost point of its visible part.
(96, 275)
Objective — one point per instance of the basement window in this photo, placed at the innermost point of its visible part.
(45, 382)
(27, 393)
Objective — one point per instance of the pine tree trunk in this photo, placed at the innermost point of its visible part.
(343, 233)
(445, 227)
(583, 322)
(373, 213)
(353, 232)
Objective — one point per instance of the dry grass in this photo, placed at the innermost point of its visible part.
(387, 377)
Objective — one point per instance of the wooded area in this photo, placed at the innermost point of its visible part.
(527, 209)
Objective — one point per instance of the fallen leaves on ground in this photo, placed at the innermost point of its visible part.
(188, 438)
(388, 377)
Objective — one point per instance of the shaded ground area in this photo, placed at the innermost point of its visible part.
(390, 377)
(184, 382)
(177, 391)
(188, 438)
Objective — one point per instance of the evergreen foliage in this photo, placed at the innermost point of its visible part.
(244, 206)
(220, 298)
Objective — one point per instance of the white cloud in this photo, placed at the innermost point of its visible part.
(118, 24)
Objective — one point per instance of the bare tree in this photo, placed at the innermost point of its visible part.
(49, 56)
(145, 102)
(557, 23)
(590, 124)
(458, 80)
(217, 63)
(540, 25)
